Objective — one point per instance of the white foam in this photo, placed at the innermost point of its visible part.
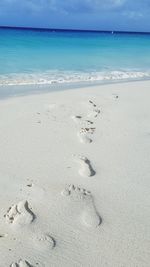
(58, 77)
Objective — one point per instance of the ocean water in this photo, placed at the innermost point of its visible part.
(53, 56)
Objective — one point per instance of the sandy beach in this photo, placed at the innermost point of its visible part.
(74, 177)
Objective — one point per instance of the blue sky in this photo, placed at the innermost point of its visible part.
(130, 15)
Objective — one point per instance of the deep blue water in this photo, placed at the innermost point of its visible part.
(41, 56)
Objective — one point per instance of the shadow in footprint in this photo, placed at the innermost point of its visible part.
(21, 263)
(86, 169)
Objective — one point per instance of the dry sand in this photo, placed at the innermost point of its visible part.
(75, 178)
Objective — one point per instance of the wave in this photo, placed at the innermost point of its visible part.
(52, 77)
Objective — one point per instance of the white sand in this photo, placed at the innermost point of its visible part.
(75, 178)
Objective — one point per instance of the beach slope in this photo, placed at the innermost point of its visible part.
(74, 178)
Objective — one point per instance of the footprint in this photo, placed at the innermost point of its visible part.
(86, 167)
(20, 214)
(115, 96)
(89, 215)
(93, 104)
(21, 263)
(94, 113)
(89, 122)
(84, 137)
(45, 241)
(77, 119)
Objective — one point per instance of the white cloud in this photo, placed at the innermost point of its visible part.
(128, 8)
(133, 14)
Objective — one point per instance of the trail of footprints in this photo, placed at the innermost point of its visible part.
(89, 214)
(21, 214)
(85, 133)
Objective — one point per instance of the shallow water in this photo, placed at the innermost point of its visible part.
(39, 56)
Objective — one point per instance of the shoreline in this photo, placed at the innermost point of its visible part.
(17, 90)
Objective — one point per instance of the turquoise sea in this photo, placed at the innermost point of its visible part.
(29, 56)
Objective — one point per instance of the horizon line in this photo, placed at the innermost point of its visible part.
(67, 30)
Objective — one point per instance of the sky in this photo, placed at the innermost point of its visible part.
(124, 15)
